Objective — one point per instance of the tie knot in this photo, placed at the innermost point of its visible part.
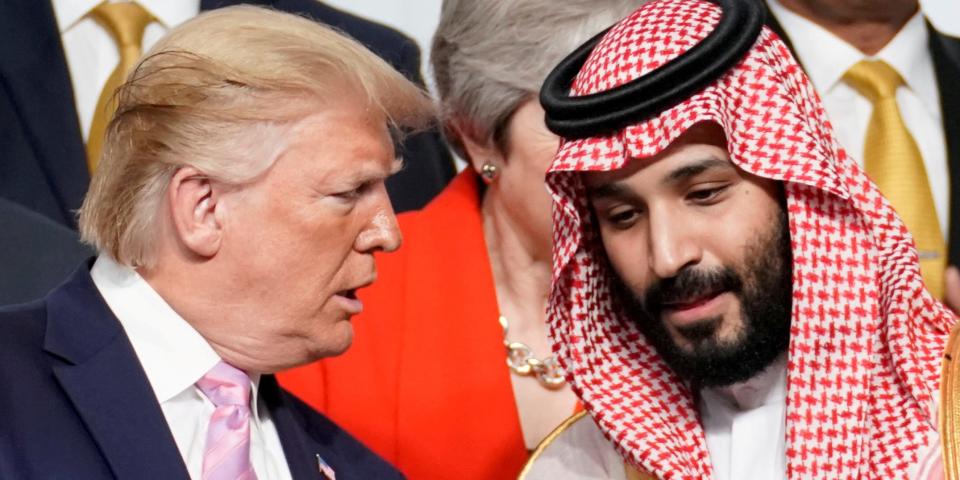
(874, 79)
(226, 385)
(126, 21)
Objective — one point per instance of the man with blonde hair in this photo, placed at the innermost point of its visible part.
(237, 208)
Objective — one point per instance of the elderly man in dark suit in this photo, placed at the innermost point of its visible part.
(237, 210)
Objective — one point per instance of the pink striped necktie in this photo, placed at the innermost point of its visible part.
(226, 455)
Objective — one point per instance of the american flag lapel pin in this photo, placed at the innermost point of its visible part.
(325, 469)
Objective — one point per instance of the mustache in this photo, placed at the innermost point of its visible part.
(689, 284)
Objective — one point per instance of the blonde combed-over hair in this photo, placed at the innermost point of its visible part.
(219, 93)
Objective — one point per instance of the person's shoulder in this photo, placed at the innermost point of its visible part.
(950, 42)
(350, 453)
(36, 254)
(22, 330)
(352, 24)
(20, 323)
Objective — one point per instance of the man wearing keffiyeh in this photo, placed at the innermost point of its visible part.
(732, 297)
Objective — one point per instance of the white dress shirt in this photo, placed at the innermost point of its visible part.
(825, 58)
(745, 426)
(174, 357)
(91, 52)
(580, 452)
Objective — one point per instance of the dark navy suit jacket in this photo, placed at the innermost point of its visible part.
(42, 156)
(36, 254)
(75, 403)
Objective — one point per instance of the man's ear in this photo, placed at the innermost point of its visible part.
(193, 201)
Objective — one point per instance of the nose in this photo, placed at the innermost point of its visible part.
(673, 244)
(382, 232)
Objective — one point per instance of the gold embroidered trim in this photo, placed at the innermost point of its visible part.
(547, 441)
(949, 410)
(631, 472)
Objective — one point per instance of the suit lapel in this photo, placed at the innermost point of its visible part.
(298, 448)
(34, 71)
(99, 371)
(946, 62)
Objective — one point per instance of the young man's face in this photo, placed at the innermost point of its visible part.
(701, 250)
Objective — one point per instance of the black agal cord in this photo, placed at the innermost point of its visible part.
(679, 79)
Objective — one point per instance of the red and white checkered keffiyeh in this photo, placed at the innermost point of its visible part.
(866, 337)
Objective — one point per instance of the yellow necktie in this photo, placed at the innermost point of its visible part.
(893, 160)
(126, 23)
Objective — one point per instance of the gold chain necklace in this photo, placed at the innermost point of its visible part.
(521, 361)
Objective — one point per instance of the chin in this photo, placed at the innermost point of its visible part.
(335, 341)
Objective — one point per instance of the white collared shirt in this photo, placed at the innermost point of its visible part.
(825, 58)
(174, 357)
(91, 52)
(745, 426)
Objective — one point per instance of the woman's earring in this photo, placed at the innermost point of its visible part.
(488, 171)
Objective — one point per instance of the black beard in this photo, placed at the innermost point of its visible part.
(763, 285)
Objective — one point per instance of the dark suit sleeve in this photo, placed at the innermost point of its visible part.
(36, 254)
(945, 51)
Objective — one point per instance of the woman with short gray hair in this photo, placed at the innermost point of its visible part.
(467, 292)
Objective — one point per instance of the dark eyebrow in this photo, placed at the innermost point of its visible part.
(621, 191)
(608, 190)
(693, 169)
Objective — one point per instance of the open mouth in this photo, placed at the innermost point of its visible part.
(347, 299)
(693, 302)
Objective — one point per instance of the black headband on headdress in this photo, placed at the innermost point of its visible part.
(610, 110)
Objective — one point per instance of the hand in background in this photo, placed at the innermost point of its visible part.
(952, 288)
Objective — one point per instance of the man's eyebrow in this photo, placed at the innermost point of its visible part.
(619, 190)
(367, 176)
(692, 169)
(608, 190)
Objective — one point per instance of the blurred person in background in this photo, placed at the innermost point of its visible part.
(458, 379)
(858, 53)
(36, 253)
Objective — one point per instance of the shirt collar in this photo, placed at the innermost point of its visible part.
(833, 55)
(907, 52)
(172, 353)
(69, 12)
(169, 13)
